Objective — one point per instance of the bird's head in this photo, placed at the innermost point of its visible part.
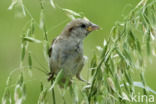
(79, 28)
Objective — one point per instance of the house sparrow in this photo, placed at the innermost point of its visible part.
(66, 51)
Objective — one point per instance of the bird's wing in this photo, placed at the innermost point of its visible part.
(51, 74)
(79, 70)
(50, 49)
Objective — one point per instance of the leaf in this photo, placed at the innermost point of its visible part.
(148, 38)
(128, 77)
(43, 94)
(112, 66)
(42, 24)
(32, 27)
(22, 6)
(52, 3)
(138, 46)
(127, 54)
(117, 83)
(99, 48)
(75, 92)
(126, 87)
(122, 56)
(58, 78)
(86, 87)
(154, 52)
(141, 3)
(12, 4)
(104, 51)
(30, 60)
(69, 11)
(110, 82)
(19, 92)
(71, 14)
(33, 40)
(42, 4)
(46, 49)
(17, 3)
(6, 99)
(93, 62)
(20, 80)
(23, 52)
(152, 36)
(143, 81)
(104, 43)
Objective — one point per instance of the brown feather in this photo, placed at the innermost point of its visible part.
(50, 50)
(72, 25)
(51, 75)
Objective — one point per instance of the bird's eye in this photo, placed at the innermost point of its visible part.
(83, 26)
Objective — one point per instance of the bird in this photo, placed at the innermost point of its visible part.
(66, 50)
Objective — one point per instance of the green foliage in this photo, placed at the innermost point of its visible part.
(112, 68)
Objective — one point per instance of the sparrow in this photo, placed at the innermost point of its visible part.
(66, 51)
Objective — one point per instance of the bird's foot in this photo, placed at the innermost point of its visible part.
(81, 79)
(51, 76)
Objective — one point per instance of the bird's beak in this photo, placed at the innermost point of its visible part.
(93, 27)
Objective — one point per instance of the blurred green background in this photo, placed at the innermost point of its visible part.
(102, 12)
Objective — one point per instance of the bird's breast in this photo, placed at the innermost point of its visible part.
(71, 58)
(67, 56)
